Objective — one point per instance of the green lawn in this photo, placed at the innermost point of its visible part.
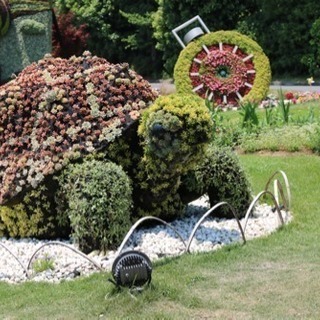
(269, 278)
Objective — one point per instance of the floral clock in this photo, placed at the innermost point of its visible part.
(225, 67)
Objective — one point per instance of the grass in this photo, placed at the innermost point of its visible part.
(268, 278)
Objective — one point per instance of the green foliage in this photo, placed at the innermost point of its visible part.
(286, 22)
(216, 115)
(221, 176)
(284, 108)
(32, 27)
(250, 119)
(43, 264)
(175, 131)
(261, 63)
(289, 138)
(312, 58)
(98, 198)
(26, 7)
(119, 31)
(4, 17)
(315, 139)
(33, 216)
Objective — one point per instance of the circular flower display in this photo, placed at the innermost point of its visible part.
(225, 67)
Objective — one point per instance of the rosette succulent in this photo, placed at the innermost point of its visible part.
(87, 146)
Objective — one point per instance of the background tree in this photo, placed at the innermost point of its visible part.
(312, 59)
(68, 37)
(139, 32)
(119, 31)
(282, 29)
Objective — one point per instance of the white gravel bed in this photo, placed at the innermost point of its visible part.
(157, 242)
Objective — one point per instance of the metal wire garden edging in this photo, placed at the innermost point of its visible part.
(280, 198)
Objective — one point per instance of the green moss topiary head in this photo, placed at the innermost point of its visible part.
(175, 131)
(226, 66)
(175, 126)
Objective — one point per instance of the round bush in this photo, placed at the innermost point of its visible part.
(225, 66)
(98, 198)
(221, 176)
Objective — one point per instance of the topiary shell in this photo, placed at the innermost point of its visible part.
(65, 109)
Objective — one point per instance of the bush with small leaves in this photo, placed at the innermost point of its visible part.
(34, 215)
(98, 198)
(220, 175)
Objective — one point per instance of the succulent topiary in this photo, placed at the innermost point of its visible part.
(224, 66)
(175, 131)
(58, 110)
(34, 216)
(4, 17)
(27, 7)
(32, 27)
(61, 124)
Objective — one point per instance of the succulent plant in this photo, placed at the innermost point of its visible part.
(60, 117)
(57, 110)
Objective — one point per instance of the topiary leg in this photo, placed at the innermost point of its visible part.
(221, 177)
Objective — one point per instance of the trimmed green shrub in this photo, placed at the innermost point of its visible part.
(289, 138)
(175, 131)
(220, 175)
(98, 198)
(261, 65)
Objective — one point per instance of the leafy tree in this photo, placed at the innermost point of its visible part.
(119, 30)
(282, 29)
(312, 59)
(68, 38)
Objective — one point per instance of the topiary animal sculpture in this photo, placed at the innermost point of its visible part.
(73, 153)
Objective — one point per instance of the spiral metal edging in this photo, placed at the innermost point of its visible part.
(206, 215)
(24, 269)
(67, 246)
(132, 229)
